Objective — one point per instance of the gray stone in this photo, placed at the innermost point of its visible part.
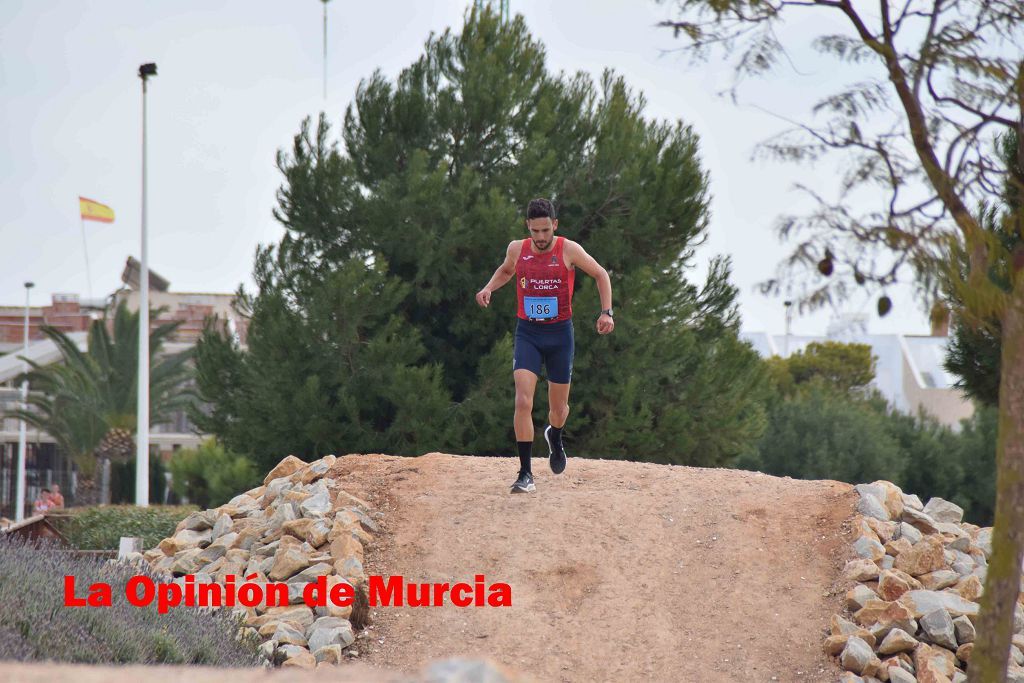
(186, 562)
(226, 540)
(897, 640)
(295, 592)
(984, 541)
(221, 526)
(284, 513)
(921, 602)
(336, 635)
(856, 655)
(963, 564)
(871, 506)
(213, 552)
(317, 505)
(898, 675)
(887, 562)
(326, 622)
(944, 511)
(912, 501)
(964, 630)
(1016, 656)
(311, 573)
(939, 579)
(919, 520)
(960, 543)
(908, 532)
(938, 627)
(289, 635)
(959, 676)
(199, 521)
(859, 596)
(869, 548)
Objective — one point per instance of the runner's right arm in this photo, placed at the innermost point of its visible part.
(505, 272)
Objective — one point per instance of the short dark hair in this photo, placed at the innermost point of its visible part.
(540, 208)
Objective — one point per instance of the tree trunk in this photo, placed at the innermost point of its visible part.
(1002, 581)
(104, 481)
(87, 492)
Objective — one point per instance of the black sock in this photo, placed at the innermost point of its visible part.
(524, 455)
(556, 435)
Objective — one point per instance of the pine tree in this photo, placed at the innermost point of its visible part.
(408, 218)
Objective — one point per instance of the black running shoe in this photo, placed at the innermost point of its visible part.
(556, 453)
(524, 484)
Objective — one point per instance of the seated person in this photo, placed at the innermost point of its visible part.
(56, 498)
(43, 502)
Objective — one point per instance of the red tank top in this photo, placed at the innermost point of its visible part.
(544, 284)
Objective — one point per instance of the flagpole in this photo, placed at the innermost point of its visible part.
(85, 248)
(142, 411)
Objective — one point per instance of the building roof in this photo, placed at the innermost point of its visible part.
(42, 352)
(924, 356)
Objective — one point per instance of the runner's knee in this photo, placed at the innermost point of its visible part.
(524, 402)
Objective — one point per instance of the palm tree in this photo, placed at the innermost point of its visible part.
(87, 403)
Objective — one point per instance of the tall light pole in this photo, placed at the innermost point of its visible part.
(789, 320)
(19, 484)
(142, 419)
(325, 48)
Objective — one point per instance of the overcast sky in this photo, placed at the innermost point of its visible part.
(237, 77)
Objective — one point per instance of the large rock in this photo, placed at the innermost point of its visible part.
(897, 641)
(920, 521)
(926, 556)
(287, 563)
(870, 505)
(938, 628)
(933, 664)
(340, 634)
(939, 579)
(285, 468)
(857, 655)
(882, 612)
(922, 602)
(287, 634)
(892, 498)
(855, 570)
(869, 549)
(316, 506)
(856, 597)
(892, 583)
(944, 511)
(185, 539)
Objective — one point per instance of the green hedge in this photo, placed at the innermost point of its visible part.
(101, 527)
(35, 625)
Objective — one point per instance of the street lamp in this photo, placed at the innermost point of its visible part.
(789, 320)
(142, 419)
(19, 486)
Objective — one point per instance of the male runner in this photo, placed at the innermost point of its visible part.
(544, 268)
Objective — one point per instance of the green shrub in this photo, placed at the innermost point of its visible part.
(822, 433)
(35, 624)
(210, 476)
(101, 527)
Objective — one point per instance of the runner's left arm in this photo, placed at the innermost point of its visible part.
(579, 258)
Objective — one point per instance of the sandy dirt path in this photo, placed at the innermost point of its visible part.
(619, 571)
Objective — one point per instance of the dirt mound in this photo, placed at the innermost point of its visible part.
(619, 570)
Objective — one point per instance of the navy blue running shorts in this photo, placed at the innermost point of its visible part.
(552, 344)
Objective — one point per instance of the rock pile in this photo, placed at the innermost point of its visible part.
(918, 579)
(296, 527)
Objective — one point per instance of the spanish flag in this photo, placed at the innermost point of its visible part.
(94, 211)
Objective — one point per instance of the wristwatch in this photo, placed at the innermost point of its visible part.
(607, 312)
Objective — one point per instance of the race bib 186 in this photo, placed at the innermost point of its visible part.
(541, 307)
